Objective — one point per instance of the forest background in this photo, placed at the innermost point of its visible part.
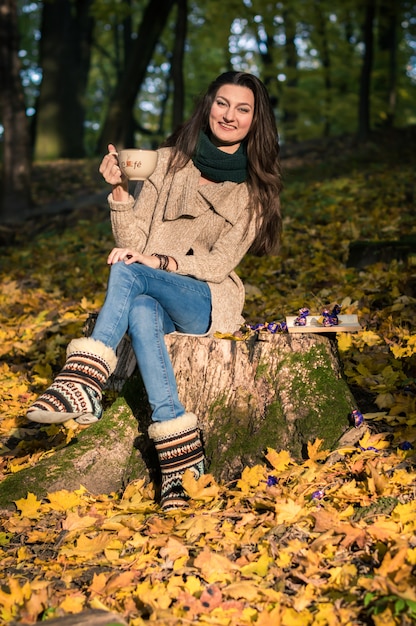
(76, 75)
(327, 540)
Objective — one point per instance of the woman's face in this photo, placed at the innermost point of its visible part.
(231, 116)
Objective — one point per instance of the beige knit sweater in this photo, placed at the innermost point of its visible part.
(204, 227)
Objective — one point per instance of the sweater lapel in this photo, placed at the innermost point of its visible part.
(185, 189)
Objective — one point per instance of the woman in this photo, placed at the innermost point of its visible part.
(213, 196)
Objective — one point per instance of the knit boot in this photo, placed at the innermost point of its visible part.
(77, 390)
(179, 448)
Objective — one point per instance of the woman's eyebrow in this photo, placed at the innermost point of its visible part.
(237, 103)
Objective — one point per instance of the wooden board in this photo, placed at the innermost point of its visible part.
(347, 324)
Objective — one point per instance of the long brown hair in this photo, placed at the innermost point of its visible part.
(264, 178)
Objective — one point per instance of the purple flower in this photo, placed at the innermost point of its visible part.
(272, 481)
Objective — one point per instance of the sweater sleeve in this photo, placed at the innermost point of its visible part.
(130, 230)
(131, 220)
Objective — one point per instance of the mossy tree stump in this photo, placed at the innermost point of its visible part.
(280, 391)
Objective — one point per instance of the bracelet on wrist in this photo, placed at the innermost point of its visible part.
(163, 260)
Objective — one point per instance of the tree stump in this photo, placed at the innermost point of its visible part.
(279, 391)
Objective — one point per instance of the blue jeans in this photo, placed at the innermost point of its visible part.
(148, 304)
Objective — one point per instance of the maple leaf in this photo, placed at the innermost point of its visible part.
(86, 547)
(288, 511)
(203, 488)
(392, 563)
(405, 513)
(120, 581)
(314, 452)
(280, 461)
(259, 567)
(17, 597)
(383, 530)
(211, 598)
(174, 549)
(73, 603)
(270, 618)
(198, 524)
(304, 597)
(248, 590)
(377, 483)
(291, 617)
(190, 604)
(193, 584)
(74, 522)
(214, 567)
(64, 500)
(29, 506)
(98, 584)
(353, 535)
(344, 341)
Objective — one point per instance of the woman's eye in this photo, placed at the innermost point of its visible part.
(221, 103)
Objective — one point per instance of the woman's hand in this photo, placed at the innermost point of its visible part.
(130, 256)
(112, 174)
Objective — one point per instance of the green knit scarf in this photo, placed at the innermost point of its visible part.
(220, 166)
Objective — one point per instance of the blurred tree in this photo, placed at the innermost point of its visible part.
(178, 62)
(323, 46)
(366, 70)
(15, 197)
(130, 71)
(116, 127)
(65, 49)
(387, 43)
(289, 100)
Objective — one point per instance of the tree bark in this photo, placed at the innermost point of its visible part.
(323, 47)
(388, 45)
(290, 100)
(366, 72)
(65, 50)
(177, 63)
(277, 391)
(15, 197)
(116, 125)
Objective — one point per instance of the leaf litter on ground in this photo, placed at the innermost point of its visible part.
(329, 540)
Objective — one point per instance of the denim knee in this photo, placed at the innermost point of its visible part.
(145, 313)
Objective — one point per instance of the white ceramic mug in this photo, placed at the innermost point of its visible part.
(137, 164)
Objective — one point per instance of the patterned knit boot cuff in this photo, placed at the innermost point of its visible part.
(179, 448)
(94, 346)
(163, 430)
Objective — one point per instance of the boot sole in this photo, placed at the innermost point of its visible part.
(49, 417)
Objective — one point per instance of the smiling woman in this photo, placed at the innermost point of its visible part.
(231, 116)
(213, 196)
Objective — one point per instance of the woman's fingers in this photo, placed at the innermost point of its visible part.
(123, 254)
(109, 168)
(129, 256)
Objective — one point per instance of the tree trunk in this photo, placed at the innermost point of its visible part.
(366, 71)
(389, 19)
(65, 49)
(290, 99)
(323, 47)
(177, 63)
(116, 125)
(15, 198)
(278, 391)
